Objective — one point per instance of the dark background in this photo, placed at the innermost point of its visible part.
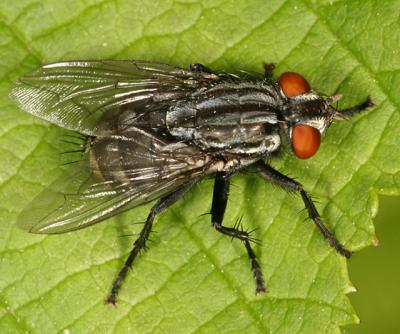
(375, 272)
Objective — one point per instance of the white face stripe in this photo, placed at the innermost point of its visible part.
(320, 124)
(309, 96)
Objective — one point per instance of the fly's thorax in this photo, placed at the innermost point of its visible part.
(236, 118)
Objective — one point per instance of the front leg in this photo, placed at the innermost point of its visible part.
(219, 202)
(357, 108)
(268, 70)
(272, 175)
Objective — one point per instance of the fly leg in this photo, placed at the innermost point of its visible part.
(268, 69)
(140, 242)
(357, 108)
(272, 175)
(219, 202)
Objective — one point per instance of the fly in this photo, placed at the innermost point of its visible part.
(152, 131)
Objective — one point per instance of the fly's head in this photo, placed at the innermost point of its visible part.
(306, 114)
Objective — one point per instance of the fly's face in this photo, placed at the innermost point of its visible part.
(306, 114)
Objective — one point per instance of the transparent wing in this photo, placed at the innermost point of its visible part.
(76, 200)
(85, 194)
(75, 95)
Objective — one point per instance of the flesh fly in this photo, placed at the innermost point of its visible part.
(152, 131)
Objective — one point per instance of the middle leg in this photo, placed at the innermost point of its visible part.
(219, 202)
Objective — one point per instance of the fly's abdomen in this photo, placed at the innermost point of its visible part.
(138, 156)
(108, 159)
(237, 119)
(128, 158)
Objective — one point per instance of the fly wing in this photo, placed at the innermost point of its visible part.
(76, 95)
(85, 194)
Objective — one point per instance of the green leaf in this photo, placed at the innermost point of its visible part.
(193, 279)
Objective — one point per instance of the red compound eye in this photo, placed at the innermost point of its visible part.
(305, 141)
(293, 84)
